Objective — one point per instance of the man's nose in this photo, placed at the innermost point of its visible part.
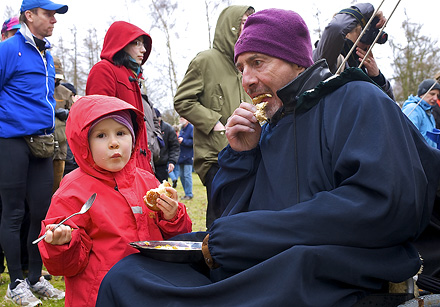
(249, 80)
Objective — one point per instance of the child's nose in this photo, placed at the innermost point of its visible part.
(114, 143)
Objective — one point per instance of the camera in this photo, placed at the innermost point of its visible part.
(371, 33)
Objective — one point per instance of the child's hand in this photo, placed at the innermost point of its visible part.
(59, 236)
(168, 205)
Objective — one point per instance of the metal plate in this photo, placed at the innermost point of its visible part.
(171, 251)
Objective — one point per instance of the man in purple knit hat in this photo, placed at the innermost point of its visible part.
(318, 209)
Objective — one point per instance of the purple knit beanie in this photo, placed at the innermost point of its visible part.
(279, 33)
(123, 117)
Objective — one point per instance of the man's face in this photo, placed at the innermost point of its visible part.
(354, 35)
(243, 20)
(432, 96)
(264, 74)
(42, 23)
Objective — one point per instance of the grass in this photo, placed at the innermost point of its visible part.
(196, 209)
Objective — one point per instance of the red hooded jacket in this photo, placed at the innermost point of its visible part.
(118, 216)
(105, 78)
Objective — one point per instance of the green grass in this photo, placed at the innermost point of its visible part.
(196, 209)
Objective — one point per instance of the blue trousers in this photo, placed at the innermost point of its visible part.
(186, 178)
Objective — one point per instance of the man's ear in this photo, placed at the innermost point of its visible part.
(29, 16)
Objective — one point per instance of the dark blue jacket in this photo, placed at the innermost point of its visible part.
(169, 153)
(186, 147)
(323, 212)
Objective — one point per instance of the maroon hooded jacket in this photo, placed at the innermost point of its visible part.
(118, 216)
(105, 78)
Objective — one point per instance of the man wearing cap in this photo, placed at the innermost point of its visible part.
(318, 210)
(27, 111)
(64, 101)
(10, 27)
(420, 111)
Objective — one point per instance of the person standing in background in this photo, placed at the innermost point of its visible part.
(27, 85)
(208, 94)
(153, 128)
(340, 35)
(70, 163)
(169, 152)
(126, 48)
(10, 27)
(186, 157)
(420, 112)
(63, 99)
(174, 175)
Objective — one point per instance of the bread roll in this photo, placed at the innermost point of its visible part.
(152, 195)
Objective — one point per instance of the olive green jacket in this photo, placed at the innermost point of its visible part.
(211, 90)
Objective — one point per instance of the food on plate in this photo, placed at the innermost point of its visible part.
(260, 114)
(152, 195)
(168, 247)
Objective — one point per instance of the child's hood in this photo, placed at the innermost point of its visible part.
(82, 114)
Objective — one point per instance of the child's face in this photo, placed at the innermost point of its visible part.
(110, 144)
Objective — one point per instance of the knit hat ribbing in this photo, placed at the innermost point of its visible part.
(123, 117)
(279, 33)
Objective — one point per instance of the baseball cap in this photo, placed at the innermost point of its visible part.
(11, 24)
(44, 4)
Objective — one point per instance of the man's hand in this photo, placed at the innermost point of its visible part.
(242, 129)
(369, 63)
(381, 21)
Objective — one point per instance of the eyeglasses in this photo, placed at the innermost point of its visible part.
(138, 44)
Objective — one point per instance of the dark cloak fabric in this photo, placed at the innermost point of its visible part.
(322, 213)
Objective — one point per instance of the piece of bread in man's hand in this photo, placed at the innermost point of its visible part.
(260, 114)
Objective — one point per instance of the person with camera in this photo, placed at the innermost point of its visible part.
(341, 33)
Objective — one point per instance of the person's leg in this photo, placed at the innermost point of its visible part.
(161, 173)
(2, 255)
(174, 175)
(24, 232)
(58, 171)
(186, 178)
(211, 213)
(14, 161)
(39, 193)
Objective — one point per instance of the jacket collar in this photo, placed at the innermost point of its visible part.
(306, 90)
(30, 37)
(306, 81)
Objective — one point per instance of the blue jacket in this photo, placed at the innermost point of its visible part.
(26, 87)
(421, 117)
(186, 147)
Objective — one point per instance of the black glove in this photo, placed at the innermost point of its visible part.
(62, 114)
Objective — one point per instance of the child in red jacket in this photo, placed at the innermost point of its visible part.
(102, 133)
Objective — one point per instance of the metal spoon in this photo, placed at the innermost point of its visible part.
(84, 209)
